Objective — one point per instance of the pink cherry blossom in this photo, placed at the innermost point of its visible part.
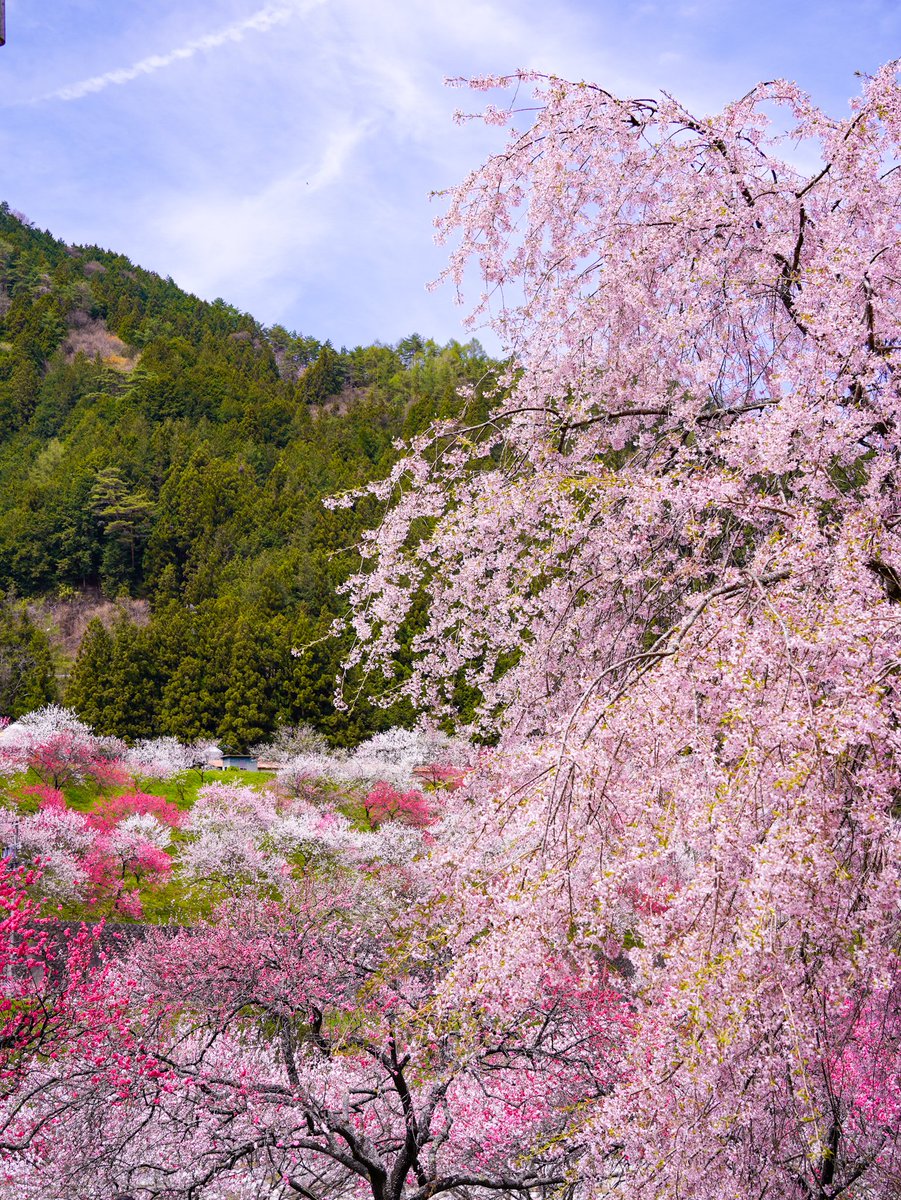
(668, 562)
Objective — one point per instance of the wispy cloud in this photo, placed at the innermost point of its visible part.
(289, 217)
(258, 22)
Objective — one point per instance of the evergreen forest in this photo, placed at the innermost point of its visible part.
(163, 464)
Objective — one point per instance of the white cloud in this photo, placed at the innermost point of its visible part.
(259, 22)
(290, 174)
(217, 238)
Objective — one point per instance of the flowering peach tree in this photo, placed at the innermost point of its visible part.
(305, 1048)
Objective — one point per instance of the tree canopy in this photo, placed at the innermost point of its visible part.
(668, 563)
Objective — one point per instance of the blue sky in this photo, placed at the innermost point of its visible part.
(280, 153)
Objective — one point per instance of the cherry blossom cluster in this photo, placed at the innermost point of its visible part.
(61, 749)
(239, 836)
(669, 563)
(161, 758)
(399, 757)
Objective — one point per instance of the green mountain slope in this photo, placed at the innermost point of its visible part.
(157, 446)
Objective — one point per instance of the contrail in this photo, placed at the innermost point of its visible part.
(259, 22)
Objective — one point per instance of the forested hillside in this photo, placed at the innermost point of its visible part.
(156, 446)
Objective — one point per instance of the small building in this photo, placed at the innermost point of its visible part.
(242, 762)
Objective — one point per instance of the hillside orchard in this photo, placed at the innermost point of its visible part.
(639, 937)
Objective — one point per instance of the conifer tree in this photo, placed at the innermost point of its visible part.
(21, 392)
(309, 662)
(123, 513)
(88, 687)
(132, 700)
(248, 701)
(187, 709)
(323, 379)
(194, 654)
(27, 677)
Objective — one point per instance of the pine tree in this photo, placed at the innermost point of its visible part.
(124, 514)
